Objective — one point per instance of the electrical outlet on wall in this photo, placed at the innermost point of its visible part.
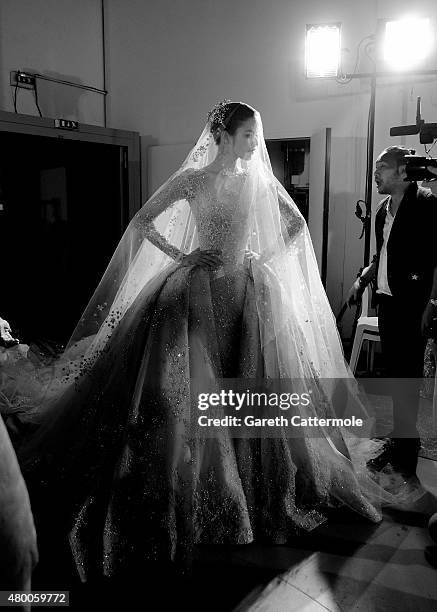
(66, 124)
(22, 79)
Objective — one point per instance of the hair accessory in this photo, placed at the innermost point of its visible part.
(217, 114)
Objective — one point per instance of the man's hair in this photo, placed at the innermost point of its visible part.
(395, 155)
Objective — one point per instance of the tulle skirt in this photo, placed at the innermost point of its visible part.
(118, 454)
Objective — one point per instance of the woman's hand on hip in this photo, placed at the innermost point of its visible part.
(208, 259)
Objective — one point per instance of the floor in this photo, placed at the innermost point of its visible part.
(351, 566)
(346, 565)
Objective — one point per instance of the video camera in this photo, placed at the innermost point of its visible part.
(416, 167)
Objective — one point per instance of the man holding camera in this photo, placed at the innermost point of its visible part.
(404, 270)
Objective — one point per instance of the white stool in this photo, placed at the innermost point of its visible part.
(367, 329)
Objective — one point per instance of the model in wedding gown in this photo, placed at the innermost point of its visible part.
(215, 278)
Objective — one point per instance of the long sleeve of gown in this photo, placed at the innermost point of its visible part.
(293, 221)
(177, 189)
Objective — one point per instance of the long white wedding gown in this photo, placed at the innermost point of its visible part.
(117, 455)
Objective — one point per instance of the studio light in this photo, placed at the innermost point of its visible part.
(401, 45)
(407, 42)
(322, 50)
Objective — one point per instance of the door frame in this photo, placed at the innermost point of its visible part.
(318, 218)
(129, 143)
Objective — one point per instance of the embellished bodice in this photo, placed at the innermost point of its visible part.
(221, 206)
(221, 217)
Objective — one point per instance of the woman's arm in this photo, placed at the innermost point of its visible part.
(292, 221)
(177, 189)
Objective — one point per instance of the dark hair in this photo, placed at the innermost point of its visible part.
(395, 155)
(228, 116)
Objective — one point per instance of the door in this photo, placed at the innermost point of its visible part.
(318, 217)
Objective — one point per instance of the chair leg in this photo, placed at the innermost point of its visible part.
(356, 348)
(372, 356)
(368, 355)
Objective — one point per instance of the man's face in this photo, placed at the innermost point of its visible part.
(388, 177)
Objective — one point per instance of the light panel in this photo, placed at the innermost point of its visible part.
(407, 42)
(322, 50)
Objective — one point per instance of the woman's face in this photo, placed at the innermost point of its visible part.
(245, 139)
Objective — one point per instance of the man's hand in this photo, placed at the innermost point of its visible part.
(355, 293)
(431, 184)
(429, 314)
(357, 289)
(6, 338)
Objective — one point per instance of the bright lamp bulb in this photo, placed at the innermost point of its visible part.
(322, 50)
(407, 42)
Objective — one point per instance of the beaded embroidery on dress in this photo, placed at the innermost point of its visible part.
(115, 445)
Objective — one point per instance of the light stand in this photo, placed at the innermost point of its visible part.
(374, 75)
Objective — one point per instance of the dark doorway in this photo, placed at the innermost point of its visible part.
(290, 164)
(63, 206)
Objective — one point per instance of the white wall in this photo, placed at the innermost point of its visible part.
(172, 60)
(57, 38)
(169, 61)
